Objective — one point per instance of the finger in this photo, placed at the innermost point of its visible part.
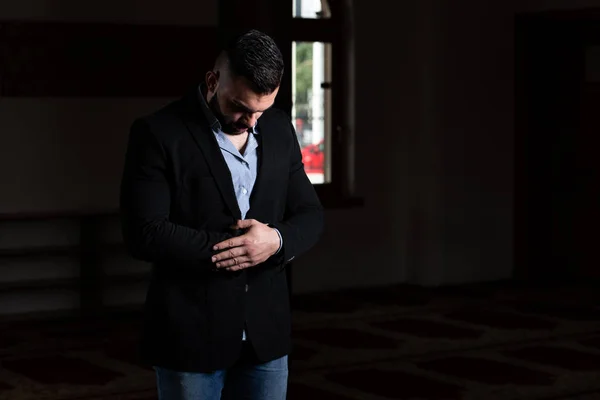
(229, 253)
(238, 267)
(233, 262)
(226, 244)
(245, 223)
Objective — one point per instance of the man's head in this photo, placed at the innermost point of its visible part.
(245, 81)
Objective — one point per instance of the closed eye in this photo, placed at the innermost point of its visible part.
(242, 108)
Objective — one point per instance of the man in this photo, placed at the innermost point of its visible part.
(214, 194)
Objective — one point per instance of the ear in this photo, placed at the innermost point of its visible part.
(212, 80)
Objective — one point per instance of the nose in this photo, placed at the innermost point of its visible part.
(250, 119)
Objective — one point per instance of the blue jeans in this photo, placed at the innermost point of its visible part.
(246, 380)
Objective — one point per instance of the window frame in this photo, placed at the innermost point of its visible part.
(338, 31)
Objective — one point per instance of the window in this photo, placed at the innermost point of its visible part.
(311, 107)
(321, 95)
(311, 9)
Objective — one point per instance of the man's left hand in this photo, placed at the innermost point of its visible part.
(252, 248)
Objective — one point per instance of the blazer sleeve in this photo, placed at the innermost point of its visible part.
(145, 201)
(303, 221)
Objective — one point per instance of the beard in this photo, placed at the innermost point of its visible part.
(228, 127)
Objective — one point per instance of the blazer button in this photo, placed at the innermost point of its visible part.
(246, 288)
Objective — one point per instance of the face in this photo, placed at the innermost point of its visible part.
(234, 104)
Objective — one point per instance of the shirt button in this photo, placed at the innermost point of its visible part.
(244, 190)
(246, 288)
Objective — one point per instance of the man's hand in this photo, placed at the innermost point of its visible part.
(254, 247)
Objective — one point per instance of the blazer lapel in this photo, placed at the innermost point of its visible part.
(265, 155)
(206, 141)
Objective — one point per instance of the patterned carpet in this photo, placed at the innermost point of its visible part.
(483, 342)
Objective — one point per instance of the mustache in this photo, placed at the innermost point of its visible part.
(239, 125)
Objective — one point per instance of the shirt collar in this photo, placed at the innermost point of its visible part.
(214, 123)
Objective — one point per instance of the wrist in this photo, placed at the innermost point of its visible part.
(278, 240)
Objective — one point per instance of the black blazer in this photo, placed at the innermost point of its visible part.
(177, 201)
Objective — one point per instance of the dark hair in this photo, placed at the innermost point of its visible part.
(255, 56)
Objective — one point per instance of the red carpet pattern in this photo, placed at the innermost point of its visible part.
(483, 342)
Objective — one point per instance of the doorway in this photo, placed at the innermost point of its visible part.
(587, 214)
(557, 172)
